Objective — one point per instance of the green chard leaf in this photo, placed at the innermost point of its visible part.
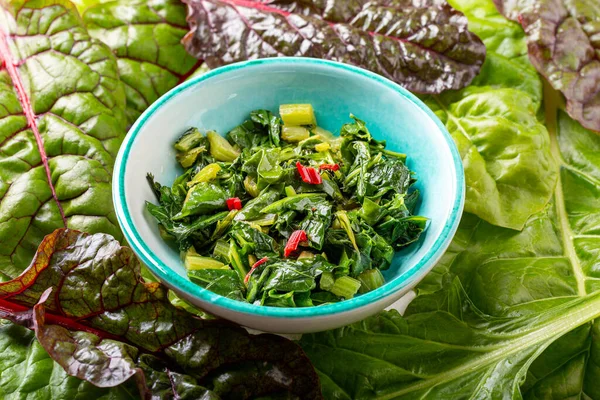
(84, 297)
(504, 314)
(61, 124)
(509, 171)
(146, 38)
(424, 46)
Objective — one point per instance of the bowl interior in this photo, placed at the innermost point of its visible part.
(223, 98)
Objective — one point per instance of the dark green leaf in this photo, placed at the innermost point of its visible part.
(269, 121)
(146, 38)
(225, 282)
(203, 198)
(61, 124)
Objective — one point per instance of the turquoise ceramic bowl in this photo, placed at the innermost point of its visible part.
(220, 100)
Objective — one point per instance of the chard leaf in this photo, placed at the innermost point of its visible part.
(61, 124)
(478, 327)
(562, 38)
(29, 372)
(448, 349)
(100, 305)
(146, 38)
(491, 316)
(509, 171)
(424, 46)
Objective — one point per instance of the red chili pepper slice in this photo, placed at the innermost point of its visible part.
(234, 203)
(309, 174)
(329, 167)
(303, 171)
(315, 177)
(256, 265)
(292, 244)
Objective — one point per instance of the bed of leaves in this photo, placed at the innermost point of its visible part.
(509, 311)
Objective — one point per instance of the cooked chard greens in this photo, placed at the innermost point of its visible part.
(288, 215)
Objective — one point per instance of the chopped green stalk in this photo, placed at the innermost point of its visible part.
(223, 224)
(327, 281)
(251, 187)
(267, 220)
(206, 174)
(294, 133)
(306, 254)
(188, 158)
(324, 133)
(236, 261)
(220, 148)
(375, 160)
(194, 262)
(370, 280)
(390, 153)
(221, 251)
(164, 234)
(190, 139)
(345, 287)
(297, 114)
(289, 191)
(322, 147)
(252, 259)
(345, 224)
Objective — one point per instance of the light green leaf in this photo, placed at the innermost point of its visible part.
(490, 316)
(506, 314)
(569, 368)
(145, 36)
(509, 171)
(61, 124)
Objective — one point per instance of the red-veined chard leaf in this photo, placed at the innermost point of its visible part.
(562, 37)
(505, 314)
(90, 308)
(423, 45)
(146, 38)
(61, 124)
(29, 372)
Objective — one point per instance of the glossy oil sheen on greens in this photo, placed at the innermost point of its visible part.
(59, 133)
(423, 45)
(93, 313)
(354, 219)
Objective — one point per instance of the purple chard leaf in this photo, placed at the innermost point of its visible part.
(563, 39)
(84, 297)
(423, 45)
